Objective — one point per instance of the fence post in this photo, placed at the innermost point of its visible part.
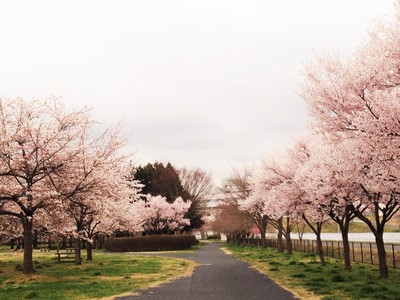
(327, 248)
(352, 246)
(333, 250)
(370, 251)
(394, 257)
(362, 254)
(338, 247)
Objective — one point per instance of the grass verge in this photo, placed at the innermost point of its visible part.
(108, 275)
(307, 279)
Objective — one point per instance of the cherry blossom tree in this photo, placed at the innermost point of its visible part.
(305, 204)
(358, 99)
(327, 178)
(111, 214)
(10, 227)
(52, 166)
(37, 139)
(253, 208)
(378, 175)
(98, 178)
(260, 183)
(283, 201)
(157, 216)
(274, 184)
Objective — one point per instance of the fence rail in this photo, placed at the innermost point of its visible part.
(363, 252)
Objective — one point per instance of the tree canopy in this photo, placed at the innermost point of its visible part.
(160, 180)
(171, 183)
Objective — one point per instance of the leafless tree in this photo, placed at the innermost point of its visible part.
(198, 183)
(237, 187)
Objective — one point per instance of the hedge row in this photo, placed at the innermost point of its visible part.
(150, 243)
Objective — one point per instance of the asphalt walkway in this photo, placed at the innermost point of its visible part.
(218, 276)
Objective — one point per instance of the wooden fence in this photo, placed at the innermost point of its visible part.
(363, 252)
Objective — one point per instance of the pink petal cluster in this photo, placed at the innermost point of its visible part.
(156, 215)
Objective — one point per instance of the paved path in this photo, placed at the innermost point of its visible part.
(218, 276)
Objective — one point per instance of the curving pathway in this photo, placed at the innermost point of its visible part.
(218, 276)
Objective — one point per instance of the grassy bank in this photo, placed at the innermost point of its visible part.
(302, 274)
(107, 275)
(356, 226)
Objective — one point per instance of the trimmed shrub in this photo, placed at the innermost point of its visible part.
(150, 243)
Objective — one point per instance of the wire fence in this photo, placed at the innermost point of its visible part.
(363, 252)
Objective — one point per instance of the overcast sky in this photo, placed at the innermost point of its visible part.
(207, 83)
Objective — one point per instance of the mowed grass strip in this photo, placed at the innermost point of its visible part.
(108, 275)
(307, 279)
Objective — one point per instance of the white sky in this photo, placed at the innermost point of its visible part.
(206, 83)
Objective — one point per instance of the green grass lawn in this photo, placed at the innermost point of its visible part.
(303, 275)
(107, 275)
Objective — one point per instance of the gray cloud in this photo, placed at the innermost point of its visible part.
(208, 83)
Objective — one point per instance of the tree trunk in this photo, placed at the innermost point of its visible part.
(28, 243)
(343, 222)
(289, 245)
(262, 226)
(378, 232)
(89, 254)
(344, 228)
(317, 231)
(280, 241)
(77, 247)
(263, 241)
(263, 232)
(320, 249)
(380, 245)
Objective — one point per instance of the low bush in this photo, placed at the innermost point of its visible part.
(150, 243)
